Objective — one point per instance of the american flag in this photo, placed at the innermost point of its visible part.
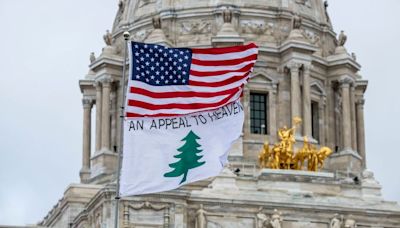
(176, 81)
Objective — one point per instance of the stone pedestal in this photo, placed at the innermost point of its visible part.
(102, 164)
(225, 181)
(237, 148)
(345, 161)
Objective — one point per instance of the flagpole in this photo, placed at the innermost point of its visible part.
(121, 135)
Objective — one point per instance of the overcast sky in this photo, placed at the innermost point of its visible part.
(44, 51)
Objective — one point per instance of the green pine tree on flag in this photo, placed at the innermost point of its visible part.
(189, 158)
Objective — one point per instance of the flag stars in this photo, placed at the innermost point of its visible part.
(156, 65)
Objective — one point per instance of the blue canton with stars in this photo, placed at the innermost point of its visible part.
(159, 66)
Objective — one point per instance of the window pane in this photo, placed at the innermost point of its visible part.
(258, 113)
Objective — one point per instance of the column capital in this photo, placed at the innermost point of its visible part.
(87, 102)
(106, 81)
(294, 66)
(360, 102)
(345, 82)
(97, 84)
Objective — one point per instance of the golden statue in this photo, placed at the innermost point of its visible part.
(264, 156)
(283, 156)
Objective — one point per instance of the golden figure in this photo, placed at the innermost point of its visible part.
(302, 155)
(264, 156)
(283, 156)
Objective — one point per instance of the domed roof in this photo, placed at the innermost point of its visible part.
(195, 22)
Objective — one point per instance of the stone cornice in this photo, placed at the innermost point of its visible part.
(343, 60)
(85, 84)
(362, 85)
(71, 195)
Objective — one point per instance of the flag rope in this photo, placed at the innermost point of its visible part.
(121, 136)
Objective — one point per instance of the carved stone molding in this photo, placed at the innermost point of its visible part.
(294, 66)
(97, 85)
(195, 27)
(346, 82)
(137, 206)
(141, 35)
(87, 102)
(147, 205)
(304, 3)
(360, 102)
(106, 81)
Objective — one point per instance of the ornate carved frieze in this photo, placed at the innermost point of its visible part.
(312, 37)
(141, 35)
(146, 213)
(195, 27)
(304, 3)
(258, 27)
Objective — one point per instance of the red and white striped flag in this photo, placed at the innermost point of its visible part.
(183, 114)
(176, 81)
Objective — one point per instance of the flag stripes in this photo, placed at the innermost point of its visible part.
(216, 78)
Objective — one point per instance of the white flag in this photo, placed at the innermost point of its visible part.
(162, 154)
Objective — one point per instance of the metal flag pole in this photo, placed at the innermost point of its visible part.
(121, 136)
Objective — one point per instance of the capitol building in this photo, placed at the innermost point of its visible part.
(303, 70)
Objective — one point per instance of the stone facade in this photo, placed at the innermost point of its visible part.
(303, 69)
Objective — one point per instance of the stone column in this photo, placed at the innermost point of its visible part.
(323, 124)
(307, 102)
(353, 118)
(98, 115)
(87, 113)
(114, 119)
(105, 122)
(246, 107)
(295, 91)
(346, 114)
(272, 114)
(361, 131)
